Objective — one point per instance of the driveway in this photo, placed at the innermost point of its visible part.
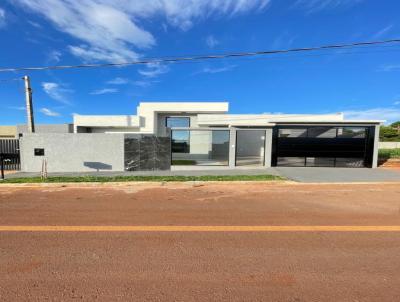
(335, 175)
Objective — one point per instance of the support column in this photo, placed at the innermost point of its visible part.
(29, 105)
(232, 147)
(268, 148)
(376, 147)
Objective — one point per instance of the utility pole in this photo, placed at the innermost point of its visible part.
(29, 106)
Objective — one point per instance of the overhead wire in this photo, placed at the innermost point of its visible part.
(204, 57)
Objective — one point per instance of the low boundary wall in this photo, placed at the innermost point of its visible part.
(389, 145)
(72, 152)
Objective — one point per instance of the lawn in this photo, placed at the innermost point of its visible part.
(143, 178)
(183, 162)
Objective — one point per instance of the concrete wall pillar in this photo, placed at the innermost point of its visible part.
(232, 147)
(268, 148)
(376, 147)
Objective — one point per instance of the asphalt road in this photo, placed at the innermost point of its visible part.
(271, 253)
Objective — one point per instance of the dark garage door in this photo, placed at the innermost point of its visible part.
(316, 146)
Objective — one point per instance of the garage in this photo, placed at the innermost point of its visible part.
(323, 146)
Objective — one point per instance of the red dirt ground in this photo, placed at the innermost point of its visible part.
(200, 266)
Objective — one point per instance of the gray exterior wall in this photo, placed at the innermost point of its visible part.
(47, 128)
(73, 152)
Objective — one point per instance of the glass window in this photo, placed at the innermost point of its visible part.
(178, 122)
(180, 138)
(295, 132)
(180, 141)
(202, 147)
(352, 132)
(322, 132)
(250, 147)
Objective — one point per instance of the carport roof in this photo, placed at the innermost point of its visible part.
(343, 122)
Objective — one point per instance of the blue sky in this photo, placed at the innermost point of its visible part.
(362, 82)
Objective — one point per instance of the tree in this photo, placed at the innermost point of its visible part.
(389, 134)
(396, 125)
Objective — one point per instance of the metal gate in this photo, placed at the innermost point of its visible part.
(9, 153)
(323, 146)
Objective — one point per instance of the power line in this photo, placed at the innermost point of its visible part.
(356, 51)
(202, 57)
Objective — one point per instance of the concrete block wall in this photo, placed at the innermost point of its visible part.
(46, 128)
(73, 152)
(389, 145)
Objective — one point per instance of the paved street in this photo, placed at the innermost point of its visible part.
(200, 242)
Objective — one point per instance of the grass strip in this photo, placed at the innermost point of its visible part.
(183, 162)
(76, 179)
(389, 153)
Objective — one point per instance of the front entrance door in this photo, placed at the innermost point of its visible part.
(250, 147)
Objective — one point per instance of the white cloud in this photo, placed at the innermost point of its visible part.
(382, 32)
(154, 70)
(89, 54)
(56, 92)
(312, 6)
(216, 70)
(104, 91)
(145, 83)
(118, 81)
(113, 30)
(49, 112)
(211, 41)
(2, 17)
(389, 67)
(54, 56)
(387, 114)
(396, 103)
(34, 24)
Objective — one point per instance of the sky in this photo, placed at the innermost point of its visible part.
(361, 82)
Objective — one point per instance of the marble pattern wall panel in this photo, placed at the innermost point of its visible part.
(145, 152)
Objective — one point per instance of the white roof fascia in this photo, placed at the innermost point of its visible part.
(124, 121)
(321, 122)
(184, 107)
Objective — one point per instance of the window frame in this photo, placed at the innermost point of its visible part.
(174, 116)
(188, 137)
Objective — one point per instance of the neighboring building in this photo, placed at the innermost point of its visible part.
(173, 134)
(7, 132)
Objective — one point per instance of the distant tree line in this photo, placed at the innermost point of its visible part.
(390, 133)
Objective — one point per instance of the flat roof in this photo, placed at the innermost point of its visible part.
(355, 122)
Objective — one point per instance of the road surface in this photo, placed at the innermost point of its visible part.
(200, 242)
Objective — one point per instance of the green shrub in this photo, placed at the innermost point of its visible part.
(389, 134)
(389, 153)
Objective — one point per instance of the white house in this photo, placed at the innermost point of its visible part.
(165, 135)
